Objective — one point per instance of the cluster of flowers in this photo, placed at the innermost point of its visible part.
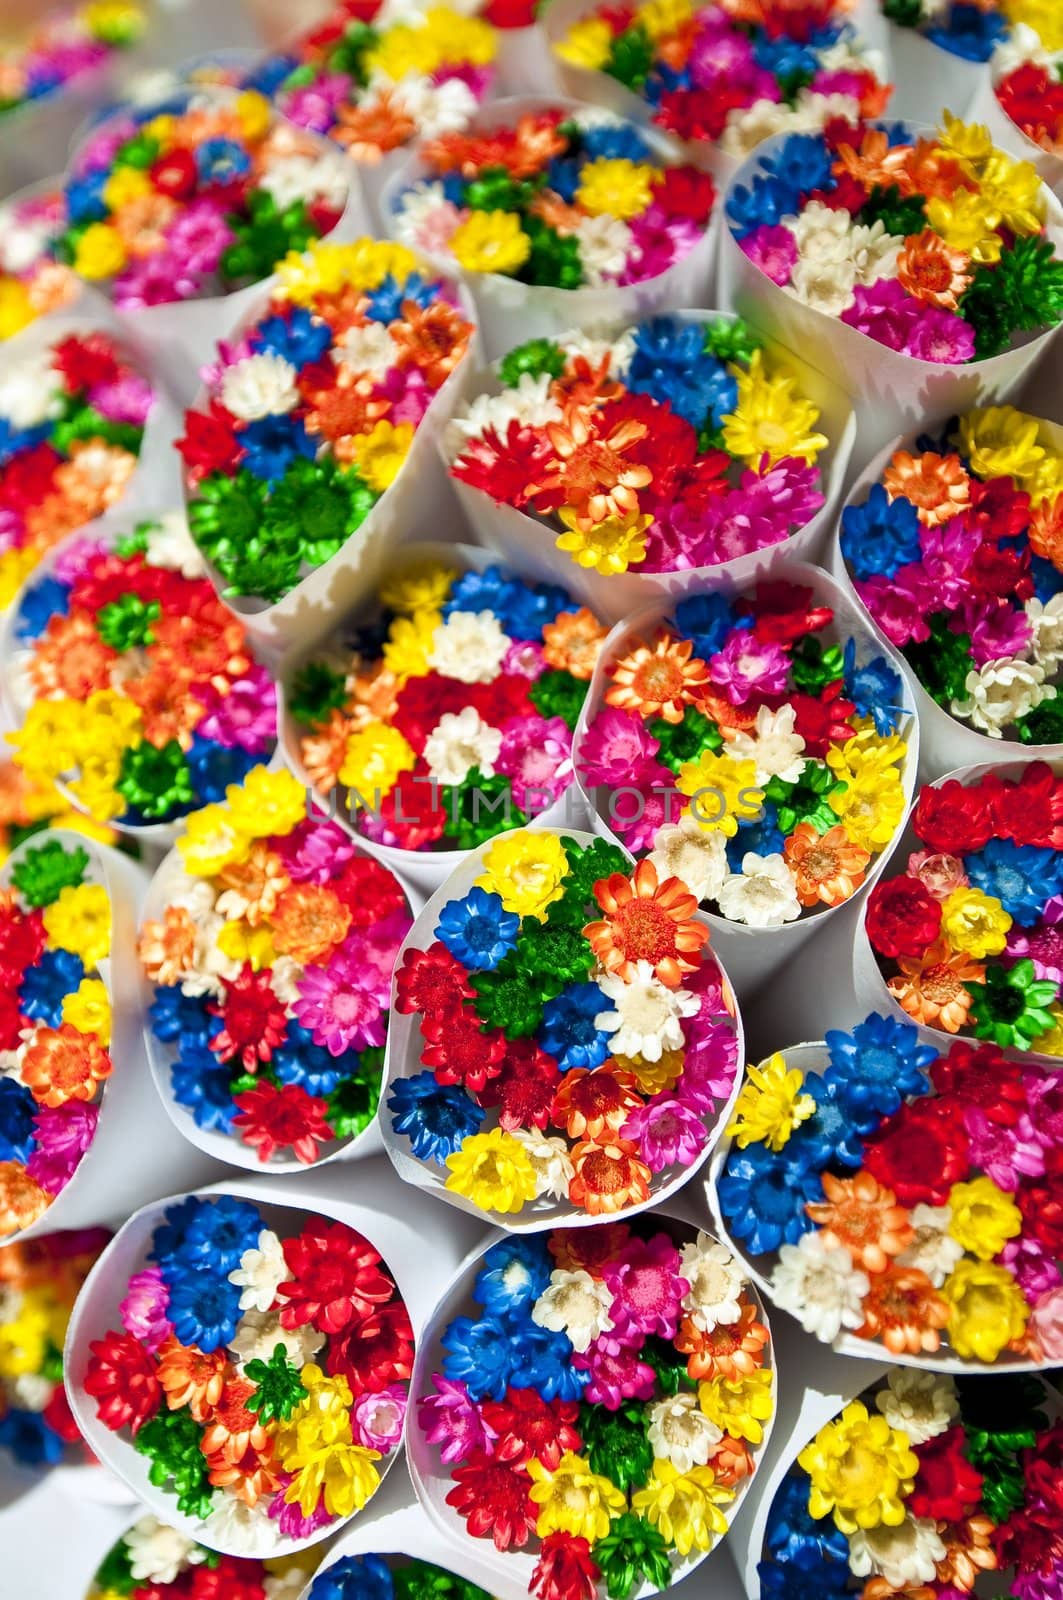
(29, 808)
(681, 444)
(447, 717)
(969, 935)
(565, 199)
(272, 961)
(39, 1282)
(616, 1033)
(912, 1197)
(64, 47)
(312, 411)
(606, 1400)
(927, 1486)
(194, 197)
(714, 76)
(971, 29)
(765, 761)
(263, 1376)
(1028, 84)
(957, 553)
(143, 697)
(55, 1024)
(31, 282)
(152, 1561)
(72, 417)
(391, 1578)
(932, 246)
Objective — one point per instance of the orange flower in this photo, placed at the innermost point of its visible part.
(862, 1215)
(556, 213)
(584, 386)
(256, 883)
(1045, 531)
(231, 1429)
(935, 174)
(367, 131)
(309, 922)
(876, 162)
(882, 1589)
(938, 486)
(433, 338)
(142, 222)
(586, 1249)
(591, 474)
(729, 1350)
(536, 142)
(903, 1309)
(189, 1376)
(731, 1461)
(968, 1552)
(593, 1102)
(168, 708)
(323, 752)
(96, 473)
(932, 270)
(646, 921)
(728, 718)
(51, 286)
(932, 988)
(70, 660)
(205, 642)
(608, 1177)
(167, 949)
(22, 1200)
(658, 680)
(63, 1064)
(344, 410)
(253, 1476)
(827, 867)
(573, 641)
(54, 516)
(376, 690)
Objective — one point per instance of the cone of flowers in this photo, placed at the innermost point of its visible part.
(32, 283)
(632, 468)
(940, 54)
(27, 809)
(921, 275)
(270, 940)
(154, 1558)
(1019, 99)
(441, 714)
(953, 544)
(601, 224)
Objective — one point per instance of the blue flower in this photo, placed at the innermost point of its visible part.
(437, 1118)
(477, 930)
(299, 1060)
(1045, 578)
(182, 1017)
(763, 1194)
(875, 689)
(204, 1306)
(45, 600)
(355, 1578)
(784, 58)
(568, 1032)
(268, 75)
(483, 1357)
(969, 32)
(522, 609)
(29, 1439)
(14, 440)
(765, 202)
(827, 1580)
(515, 1273)
(196, 1232)
(298, 337)
(881, 535)
(829, 1134)
(221, 160)
(616, 142)
(801, 163)
(763, 837)
(45, 986)
(273, 443)
(794, 1537)
(17, 1111)
(1021, 876)
(562, 176)
(898, 133)
(670, 366)
(544, 1360)
(214, 767)
(202, 1084)
(706, 620)
(877, 1066)
(663, 79)
(84, 196)
(168, 1238)
(385, 303)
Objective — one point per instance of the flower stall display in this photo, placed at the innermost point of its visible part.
(565, 1045)
(390, 1577)
(154, 1559)
(594, 1404)
(32, 282)
(136, 686)
(65, 45)
(270, 941)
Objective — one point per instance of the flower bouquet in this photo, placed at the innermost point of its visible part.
(940, 50)
(313, 448)
(558, 215)
(134, 686)
(27, 809)
(442, 714)
(270, 941)
(153, 1559)
(1019, 101)
(919, 272)
(563, 1045)
(592, 1406)
(32, 283)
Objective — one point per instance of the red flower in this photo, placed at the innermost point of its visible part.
(525, 1087)
(505, 467)
(704, 482)
(421, 702)
(669, 446)
(460, 1051)
(504, 697)
(822, 720)
(369, 890)
(494, 1500)
(1000, 572)
(278, 1118)
(903, 917)
(920, 1152)
(1043, 1468)
(231, 1579)
(1031, 1541)
(175, 174)
(998, 509)
(509, 13)
(255, 1021)
(113, 576)
(848, 195)
(685, 192)
(373, 1353)
(11, 1019)
(783, 613)
(21, 943)
(121, 1377)
(1031, 811)
(85, 360)
(699, 113)
(527, 1426)
(410, 810)
(1041, 1204)
(565, 1570)
(954, 819)
(59, 1417)
(431, 981)
(336, 1278)
(27, 478)
(947, 1487)
(210, 443)
(981, 1076)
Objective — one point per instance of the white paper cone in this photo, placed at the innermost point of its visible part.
(929, 80)
(525, 63)
(59, 1535)
(1007, 135)
(35, 139)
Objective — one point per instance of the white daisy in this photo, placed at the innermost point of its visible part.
(820, 1286)
(158, 1553)
(549, 1157)
(30, 390)
(685, 850)
(933, 1249)
(604, 248)
(999, 692)
(261, 1269)
(171, 546)
(261, 385)
(680, 1433)
(367, 351)
(647, 1018)
(906, 1556)
(773, 744)
(259, 1332)
(918, 1404)
(575, 1304)
(716, 1282)
(460, 741)
(762, 895)
(469, 646)
(242, 1530)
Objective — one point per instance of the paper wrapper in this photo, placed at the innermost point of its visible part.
(420, 1244)
(892, 392)
(927, 80)
(753, 956)
(403, 1060)
(509, 310)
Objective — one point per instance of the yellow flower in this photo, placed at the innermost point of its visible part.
(739, 1405)
(16, 307)
(211, 841)
(975, 923)
(24, 1339)
(459, 38)
(984, 1218)
(77, 822)
(587, 44)
(494, 1171)
(89, 1009)
(325, 268)
(47, 744)
(1000, 442)
(683, 1506)
(367, 262)
(770, 1105)
(161, 127)
(769, 418)
(125, 184)
(660, 18)
(654, 1077)
(527, 870)
(966, 221)
(381, 452)
(612, 545)
(861, 1471)
(871, 808)
(376, 756)
(613, 186)
(404, 49)
(969, 142)
(267, 803)
(116, 21)
(422, 586)
(109, 723)
(80, 921)
(242, 943)
(1044, 481)
(988, 1309)
(1043, 16)
(409, 644)
(490, 241)
(100, 252)
(1012, 189)
(254, 114)
(15, 568)
(1051, 1043)
(721, 791)
(572, 1499)
(94, 786)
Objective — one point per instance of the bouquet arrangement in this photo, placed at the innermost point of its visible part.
(152, 1561)
(195, 196)
(141, 692)
(1027, 81)
(390, 1578)
(39, 1282)
(65, 46)
(72, 414)
(271, 943)
(956, 550)
(970, 29)
(744, 745)
(925, 1485)
(55, 1022)
(311, 413)
(682, 444)
(729, 75)
(565, 198)
(32, 283)
(577, 1040)
(262, 1373)
(446, 715)
(968, 936)
(935, 246)
(909, 1195)
(604, 1404)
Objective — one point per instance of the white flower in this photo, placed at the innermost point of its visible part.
(919, 1404)
(825, 284)
(906, 1556)
(762, 895)
(684, 850)
(242, 1530)
(604, 248)
(259, 1273)
(846, 54)
(716, 1282)
(587, 117)
(648, 1018)
(324, 177)
(30, 1391)
(171, 546)
(259, 1332)
(933, 1249)
(874, 252)
(420, 214)
(368, 350)
(820, 1287)
(435, 107)
(460, 741)
(159, 1554)
(259, 386)
(528, 402)
(22, 242)
(773, 745)
(1046, 620)
(593, 348)
(1022, 44)
(1000, 692)
(284, 977)
(812, 110)
(287, 1584)
(30, 391)
(469, 646)
(575, 1304)
(822, 234)
(554, 1170)
(680, 1433)
(746, 128)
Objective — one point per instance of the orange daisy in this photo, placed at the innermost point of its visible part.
(593, 1102)
(167, 949)
(376, 690)
(22, 1200)
(323, 752)
(729, 1350)
(658, 680)
(864, 1217)
(64, 1064)
(231, 1429)
(731, 1461)
(433, 338)
(54, 516)
(969, 1552)
(249, 1479)
(938, 486)
(586, 1249)
(190, 1377)
(367, 131)
(646, 921)
(728, 718)
(51, 286)
(346, 409)
(827, 867)
(882, 1589)
(934, 271)
(206, 642)
(875, 162)
(905, 1311)
(934, 173)
(536, 141)
(1045, 531)
(309, 922)
(573, 641)
(142, 222)
(933, 988)
(583, 386)
(556, 213)
(96, 472)
(169, 709)
(608, 1177)
(256, 883)
(70, 660)
(591, 475)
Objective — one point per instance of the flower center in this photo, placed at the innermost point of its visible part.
(940, 984)
(659, 679)
(820, 863)
(648, 932)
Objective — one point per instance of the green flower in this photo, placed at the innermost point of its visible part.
(1043, 725)
(156, 782)
(315, 508)
(616, 1445)
(170, 1440)
(143, 150)
(497, 190)
(534, 357)
(814, 666)
(264, 237)
(632, 1553)
(314, 691)
(278, 1388)
(52, 1363)
(710, 439)
(84, 423)
(905, 13)
(115, 1571)
(556, 693)
(126, 622)
(245, 1081)
(352, 1104)
(668, 1364)
(942, 662)
(478, 808)
(267, 574)
(507, 999)
(899, 214)
(807, 800)
(553, 956)
(554, 261)
(226, 514)
(1024, 291)
(731, 341)
(133, 544)
(685, 740)
(422, 1581)
(348, 55)
(590, 863)
(631, 57)
(1011, 1006)
(45, 871)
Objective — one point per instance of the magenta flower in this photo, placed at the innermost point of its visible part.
(314, 105)
(451, 1420)
(1033, 1268)
(1005, 1154)
(773, 249)
(408, 393)
(377, 946)
(638, 818)
(291, 1524)
(199, 237)
(883, 311)
(657, 241)
(719, 51)
(901, 604)
(477, 79)
(616, 1376)
(788, 491)
(12, 530)
(377, 1419)
(667, 1133)
(524, 659)
(228, 353)
(536, 756)
(244, 717)
(100, 150)
(647, 1290)
(77, 559)
(156, 280)
(143, 1311)
(341, 1006)
(315, 851)
(1044, 1096)
(128, 399)
(709, 1067)
(996, 629)
(940, 336)
(948, 550)
(839, 82)
(747, 667)
(62, 1136)
(617, 748)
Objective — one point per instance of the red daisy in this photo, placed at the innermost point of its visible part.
(336, 1278)
(255, 1021)
(279, 1118)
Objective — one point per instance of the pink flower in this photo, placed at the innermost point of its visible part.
(127, 399)
(155, 280)
(720, 51)
(12, 530)
(408, 393)
(883, 311)
(341, 1005)
(63, 1135)
(939, 874)
(377, 1418)
(451, 1420)
(314, 105)
(840, 82)
(376, 947)
(1046, 1324)
(901, 604)
(291, 1524)
(536, 756)
(1005, 1154)
(617, 748)
(667, 1132)
(710, 1064)
(143, 1311)
(996, 630)
(244, 717)
(940, 336)
(1033, 1268)
(747, 667)
(478, 79)
(947, 553)
(524, 659)
(199, 237)
(1044, 1096)
(773, 249)
(638, 818)
(614, 1377)
(315, 851)
(789, 491)
(656, 242)
(77, 559)
(647, 1290)
(435, 229)
(227, 353)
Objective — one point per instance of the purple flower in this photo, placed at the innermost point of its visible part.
(315, 851)
(199, 237)
(639, 818)
(524, 659)
(773, 249)
(99, 152)
(1044, 1096)
(940, 336)
(291, 1523)
(314, 105)
(1005, 1154)
(536, 756)
(244, 717)
(901, 604)
(128, 399)
(884, 312)
(408, 393)
(647, 1290)
(948, 550)
(341, 1005)
(62, 1136)
(1033, 1268)
(377, 1418)
(451, 1420)
(143, 1311)
(77, 559)
(667, 1132)
(156, 280)
(747, 666)
(996, 629)
(616, 749)
(614, 1377)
